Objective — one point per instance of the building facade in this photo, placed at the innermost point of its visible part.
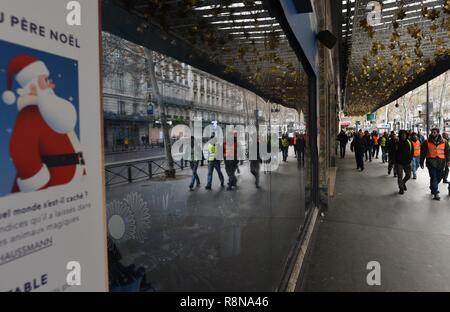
(132, 113)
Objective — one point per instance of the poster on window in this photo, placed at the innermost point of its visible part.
(52, 216)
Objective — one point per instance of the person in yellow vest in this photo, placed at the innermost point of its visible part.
(383, 144)
(403, 157)
(416, 154)
(436, 151)
(285, 146)
(213, 163)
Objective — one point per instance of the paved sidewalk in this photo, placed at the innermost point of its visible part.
(409, 235)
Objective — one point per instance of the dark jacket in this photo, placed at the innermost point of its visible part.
(342, 138)
(358, 145)
(434, 162)
(404, 152)
(368, 141)
(300, 144)
(390, 145)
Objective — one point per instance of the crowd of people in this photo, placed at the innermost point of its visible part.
(232, 160)
(404, 154)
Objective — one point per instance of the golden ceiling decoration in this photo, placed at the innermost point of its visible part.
(388, 55)
(240, 35)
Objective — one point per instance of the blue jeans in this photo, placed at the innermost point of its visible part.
(415, 165)
(285, 151)
(214, 164)
(195, 177)
(435, 178)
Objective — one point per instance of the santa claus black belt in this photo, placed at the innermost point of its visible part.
(63, 160)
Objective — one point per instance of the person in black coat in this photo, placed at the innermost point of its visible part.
(404, 153)
(300, 146)
(359, 147)
(343, 140)
(390, 146)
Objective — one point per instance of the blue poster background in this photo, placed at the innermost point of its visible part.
(63, 72)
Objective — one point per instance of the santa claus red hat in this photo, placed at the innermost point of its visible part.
(26, 68)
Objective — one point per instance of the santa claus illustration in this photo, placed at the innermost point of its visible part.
(44, 147)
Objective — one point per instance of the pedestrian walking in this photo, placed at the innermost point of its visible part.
(285, 146)
(195, 149)
(343, 140)
(255, 166)
(444, 179)
(300, 147)
(383, 144)
(391, 153)
(231, 163)
(213, 164)
(358, 146)
(375, 144)
(403, 157)
(368, 143)
(436, 151)
(416, 154)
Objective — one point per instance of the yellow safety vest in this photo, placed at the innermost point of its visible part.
(212, 152)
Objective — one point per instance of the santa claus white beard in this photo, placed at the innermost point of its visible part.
(57, 112)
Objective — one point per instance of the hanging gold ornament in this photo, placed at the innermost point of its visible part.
(415, 32)
(433, 14)
(418, 52)
(395, 37)
(446, 6)
(434, 28)
(401, 14)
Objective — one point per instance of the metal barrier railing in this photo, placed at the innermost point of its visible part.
(138, 170)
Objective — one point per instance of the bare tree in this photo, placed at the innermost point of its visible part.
(441, 100)
(170, 172)
(121, 56)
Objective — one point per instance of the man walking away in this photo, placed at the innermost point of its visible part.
(358, 146)
(213, 163)
(343, 140)
(437, 154)
(403, 156)
(383, 143)
(391, 154)
(416, 154)
(376, 144)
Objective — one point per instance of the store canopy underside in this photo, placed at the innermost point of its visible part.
(238, 41)
(406, 48)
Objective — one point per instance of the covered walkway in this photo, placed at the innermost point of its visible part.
(368, 220)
